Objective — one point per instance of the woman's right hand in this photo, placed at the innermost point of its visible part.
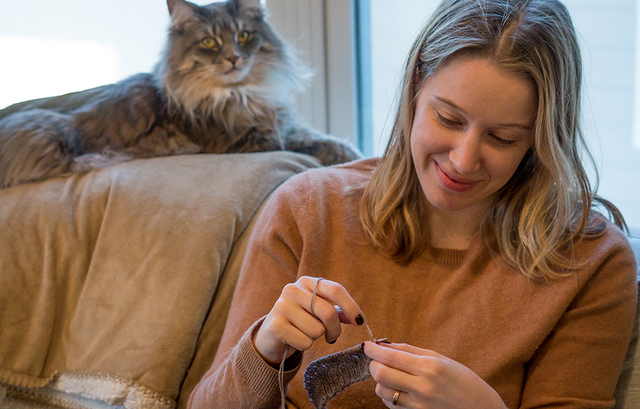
(291, 321)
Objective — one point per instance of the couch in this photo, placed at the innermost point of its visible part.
(115, 285)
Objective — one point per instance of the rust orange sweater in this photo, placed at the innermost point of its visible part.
(554, 344)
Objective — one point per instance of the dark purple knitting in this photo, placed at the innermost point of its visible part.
(330, 375)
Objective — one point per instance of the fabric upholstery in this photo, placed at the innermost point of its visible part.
(107, 278)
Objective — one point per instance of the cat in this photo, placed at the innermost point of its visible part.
(224, 84)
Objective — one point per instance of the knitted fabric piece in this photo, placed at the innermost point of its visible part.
(330, 375)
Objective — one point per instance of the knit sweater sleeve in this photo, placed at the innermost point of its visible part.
(239, 377)
(577, 366)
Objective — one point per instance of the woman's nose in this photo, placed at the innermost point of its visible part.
(465, 154)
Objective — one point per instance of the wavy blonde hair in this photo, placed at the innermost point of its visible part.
(545, 207)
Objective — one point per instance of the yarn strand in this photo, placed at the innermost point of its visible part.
(281, 379)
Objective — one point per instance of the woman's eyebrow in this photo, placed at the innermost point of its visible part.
(507, 125)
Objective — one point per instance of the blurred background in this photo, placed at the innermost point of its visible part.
(356, 49)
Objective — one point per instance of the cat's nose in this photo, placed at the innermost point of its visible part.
(232, 59)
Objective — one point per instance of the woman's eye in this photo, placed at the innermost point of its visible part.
(446, 121)
(210, 42)
(244, 36)
(502, 141)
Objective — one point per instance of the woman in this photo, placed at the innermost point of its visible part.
(471, 241)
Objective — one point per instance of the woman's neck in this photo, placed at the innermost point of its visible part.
(453, 230)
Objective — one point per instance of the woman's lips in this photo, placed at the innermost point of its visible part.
(453, 184)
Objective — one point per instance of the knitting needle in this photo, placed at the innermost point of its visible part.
(366, 324)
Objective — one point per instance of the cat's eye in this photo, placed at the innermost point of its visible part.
(211, 43)
(244, 36)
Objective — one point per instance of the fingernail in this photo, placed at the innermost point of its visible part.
(333, 342)
(359, 320)
(384, 341)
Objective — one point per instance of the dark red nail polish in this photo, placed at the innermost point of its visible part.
(333, 342)
(359, 320)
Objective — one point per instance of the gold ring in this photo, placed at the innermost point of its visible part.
(395, 398)
(313, 296)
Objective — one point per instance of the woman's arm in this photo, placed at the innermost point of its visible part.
(271, 312)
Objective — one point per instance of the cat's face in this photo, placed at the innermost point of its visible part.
(221, 44)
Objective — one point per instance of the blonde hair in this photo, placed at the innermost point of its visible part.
(545, 207)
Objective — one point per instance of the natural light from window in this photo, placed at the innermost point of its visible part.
(86, 65)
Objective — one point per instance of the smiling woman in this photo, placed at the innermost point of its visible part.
(472, 127)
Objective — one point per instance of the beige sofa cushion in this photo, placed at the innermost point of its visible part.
(107, 278)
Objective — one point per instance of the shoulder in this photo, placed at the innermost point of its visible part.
(610, 237)
(321, 191)
(609, 252)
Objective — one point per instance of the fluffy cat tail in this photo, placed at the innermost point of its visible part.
(40, 144)
(34, 146)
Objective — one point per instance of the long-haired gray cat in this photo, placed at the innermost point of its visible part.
(224, 85)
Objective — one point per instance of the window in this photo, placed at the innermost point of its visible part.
(49, 48)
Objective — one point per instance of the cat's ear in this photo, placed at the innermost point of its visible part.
(180, 11)
(250, 7)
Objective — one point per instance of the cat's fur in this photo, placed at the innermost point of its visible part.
(212, 92)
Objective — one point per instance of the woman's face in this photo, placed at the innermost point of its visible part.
(473, 125)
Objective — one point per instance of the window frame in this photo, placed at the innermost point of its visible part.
(324, 34)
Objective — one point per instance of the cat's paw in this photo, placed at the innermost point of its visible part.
(328, 149)
(258, 139)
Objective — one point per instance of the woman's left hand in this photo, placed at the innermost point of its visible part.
(426, 379)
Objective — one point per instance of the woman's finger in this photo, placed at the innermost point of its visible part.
(395, 357)
(304, 295)
(394, 398)
(336, 294)
(343, 318)
(413, 350)
(320, 320)
(304, 312)
(392, 378)
(289, 334)
(328, 303)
